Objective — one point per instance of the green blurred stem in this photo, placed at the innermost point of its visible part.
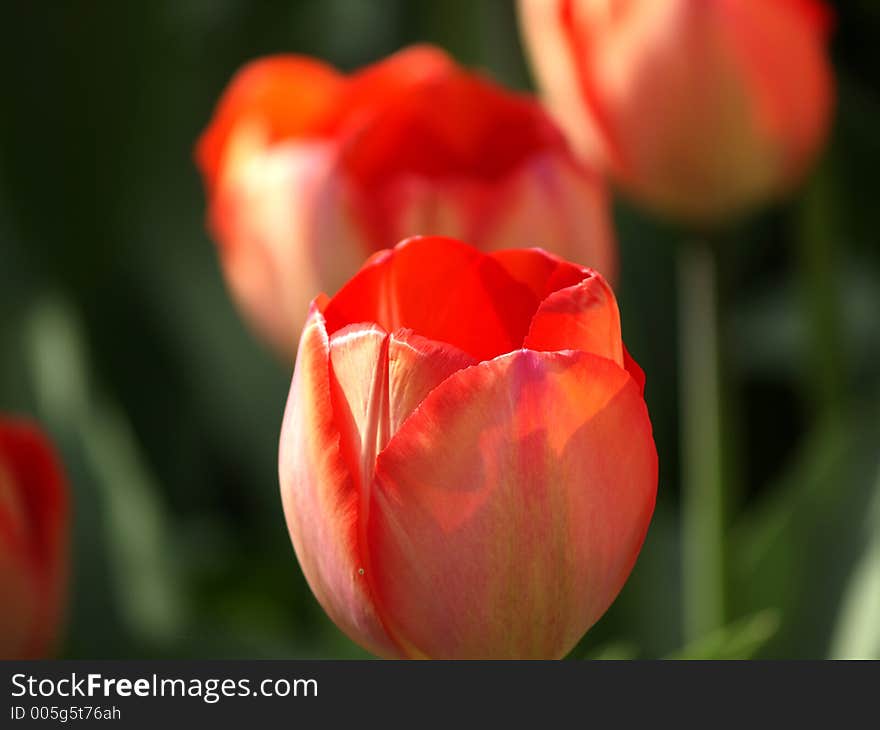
(820, 295)
(701, 442)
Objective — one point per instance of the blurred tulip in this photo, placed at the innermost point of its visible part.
(33, 542)
(699, 108)
(309, 171)
(467, 465)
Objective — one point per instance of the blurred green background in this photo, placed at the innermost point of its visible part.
(117, 333)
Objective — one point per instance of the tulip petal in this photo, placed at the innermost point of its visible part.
(555, 203)
(580, 317)
(372, 88)
(699, 109)
(464, 298)
(287, 96)
(350, 394)
(546, 30)
(483, 132)
(478, 169)
(379, 379)
(543, 272)
(309, 170)
(268, 197)
(791, 84)
(21, 631)
(321, 497)
(634, 369)
(33, 541)
(510, 508)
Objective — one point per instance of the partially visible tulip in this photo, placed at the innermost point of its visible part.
(309, 171)
(467, 464)
(33, 542)
(699, 108)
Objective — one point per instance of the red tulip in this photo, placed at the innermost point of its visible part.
(699, 108)
(466, 462)
(33, 542)
(309, 171)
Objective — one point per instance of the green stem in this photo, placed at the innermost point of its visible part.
(701, 443)
(820, 294)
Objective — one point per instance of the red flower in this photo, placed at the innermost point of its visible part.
(699, 108)
(309, 171)
(33, 541)
(466, 462)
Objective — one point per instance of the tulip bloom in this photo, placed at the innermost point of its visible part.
(699, 108)
(309, 171)
(466, 462)
(33, 542)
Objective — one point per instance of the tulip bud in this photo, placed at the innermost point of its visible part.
(699, 108)
(33, 542)
(309, 171)
(466, 461)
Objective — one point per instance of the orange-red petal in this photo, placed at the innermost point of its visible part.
(351, 392)
(509, 509)
(285, 96)
(379, 379)
(33, 541)
(580, 317)
(539, 270)
(374, 87)
(321, 497)
(442, 289)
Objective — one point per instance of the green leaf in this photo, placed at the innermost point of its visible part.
(615, 651)
(741, 639)
(857, 632)
(133, 531)
(794, 551)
